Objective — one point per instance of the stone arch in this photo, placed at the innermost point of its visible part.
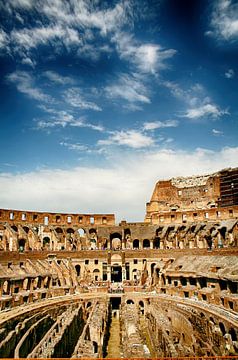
(115, 240)
(14, 227)
(95, 347)
(46, 242)
(21, 245)
(70, 231)
(78, 269)
(159, 231)
(156, 242)
(26, 229)
(26, 284)
(81, 232)
(152, 268)
(96, 274)
(59, 230)
(130, 301)
(146, 244)
(6, 287)
(233, 334)
(136, 244)
(222, 328)
(134, 274)
(93, 238)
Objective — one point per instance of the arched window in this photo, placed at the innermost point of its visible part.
(78, 269)
(146, 244)
(136, 244)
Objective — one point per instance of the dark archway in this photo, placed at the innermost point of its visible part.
(146, 244)
(116, 273)
(21, 245)
(156, 243)
(78, 269)
(136, 244)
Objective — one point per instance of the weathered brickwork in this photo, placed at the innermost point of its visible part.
(195, 198)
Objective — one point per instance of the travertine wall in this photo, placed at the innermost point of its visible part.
(194, 198)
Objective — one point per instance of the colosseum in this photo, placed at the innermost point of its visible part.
(81, 286)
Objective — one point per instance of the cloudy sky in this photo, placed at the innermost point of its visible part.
(100, 99)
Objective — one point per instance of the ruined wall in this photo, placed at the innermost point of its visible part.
(47, 218)
(194, 198)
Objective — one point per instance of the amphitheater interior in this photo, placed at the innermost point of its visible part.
(82, 286)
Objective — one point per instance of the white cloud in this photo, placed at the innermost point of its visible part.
(129, 88)
(25, 84)
(210, 110)
(86, 15)
(23, 4)
(224, 20)
(229, 74)
(26, 39)
(75, 147)
(217, 132)
(153, 125)
(63, 118)
(68, 25)
(131, 138)
(28, 61)
(58, 79)
(133, 177)
(192, 95)
(148, 58)
(4, 40)
(74, 97)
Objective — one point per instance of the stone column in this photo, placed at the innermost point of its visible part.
(109, 272)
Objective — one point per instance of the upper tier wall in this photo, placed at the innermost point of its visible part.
(46, 218)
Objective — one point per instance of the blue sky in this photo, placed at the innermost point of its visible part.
(99, 99)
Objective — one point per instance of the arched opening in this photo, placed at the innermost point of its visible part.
(156, 243)
(70, 231)
(95, 347)
(159, 231)
(233, 334)
(46, 242)
(93, 239)
(6, 288)
(81, 232)
(89, 304)
(59, 230)
(96, 273)
(222, 328)
(209, 241)
(212, 320)
(26, 229)
(136, 244)
(152, 267)
(14, 228)
(127, 232)
(129, 301)
(146, 244)
(134, 274)
(157, 271)
(141, 306)
(21, 245)
(78, 269)
(116, 273)
(115, 240)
